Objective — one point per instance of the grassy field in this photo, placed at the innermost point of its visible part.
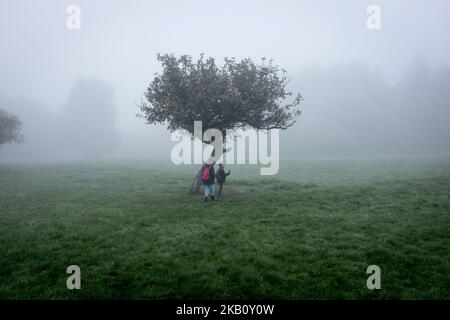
(308, 233)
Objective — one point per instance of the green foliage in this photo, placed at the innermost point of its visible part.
(309, 233)
(10, 128)
(235, 95)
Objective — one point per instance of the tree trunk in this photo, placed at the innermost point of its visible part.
(197, 182)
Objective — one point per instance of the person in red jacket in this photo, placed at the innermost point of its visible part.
(208, 177)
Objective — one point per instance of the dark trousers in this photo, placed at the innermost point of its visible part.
(220, 189)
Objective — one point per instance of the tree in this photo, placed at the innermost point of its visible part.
(10, 128)
(236, 95)
(88, 119)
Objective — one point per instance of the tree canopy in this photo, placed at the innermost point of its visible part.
(10, 128)
(236, 95)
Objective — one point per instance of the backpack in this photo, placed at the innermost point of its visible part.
(206, 173)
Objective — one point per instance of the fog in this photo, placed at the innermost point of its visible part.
(366, 92)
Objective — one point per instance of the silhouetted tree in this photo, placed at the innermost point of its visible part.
(237, 95)
(88, 119)
(10, 128)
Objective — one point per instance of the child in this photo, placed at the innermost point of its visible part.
(221, 177)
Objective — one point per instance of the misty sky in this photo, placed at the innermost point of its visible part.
(320, 43)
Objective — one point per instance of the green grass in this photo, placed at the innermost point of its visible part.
(308, 233)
